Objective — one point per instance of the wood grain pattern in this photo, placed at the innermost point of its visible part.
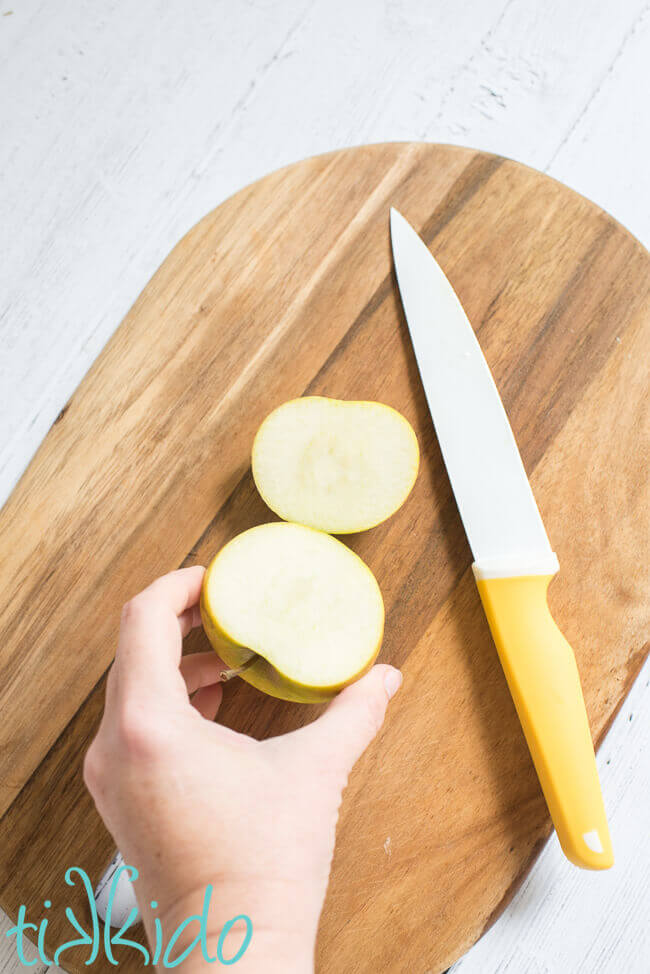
(287, 288)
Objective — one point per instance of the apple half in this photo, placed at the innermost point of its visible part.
(295, 611)
(333, 465)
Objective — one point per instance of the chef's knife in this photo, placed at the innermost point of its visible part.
(513, 560)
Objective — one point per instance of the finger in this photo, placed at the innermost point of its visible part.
(178, 590)
(207, 700)
(353, 719)
(189, 620)
(201, 670)
(150, 642)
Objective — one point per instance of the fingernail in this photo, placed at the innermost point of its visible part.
(392, 682)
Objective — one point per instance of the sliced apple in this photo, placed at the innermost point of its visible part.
(334, 465)
(299, 607)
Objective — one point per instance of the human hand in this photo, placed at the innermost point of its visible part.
(191, 803)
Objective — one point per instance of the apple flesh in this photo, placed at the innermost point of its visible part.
(333, 465)
(302, 609)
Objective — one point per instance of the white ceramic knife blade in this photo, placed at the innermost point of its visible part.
(490, 485)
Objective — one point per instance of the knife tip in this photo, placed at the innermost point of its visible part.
(396, 219)
(398, 222)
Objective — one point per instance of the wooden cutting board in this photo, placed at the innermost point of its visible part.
(287, 289)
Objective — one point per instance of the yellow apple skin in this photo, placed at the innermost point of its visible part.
(261, 674)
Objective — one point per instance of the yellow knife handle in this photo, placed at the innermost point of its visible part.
(543, 679)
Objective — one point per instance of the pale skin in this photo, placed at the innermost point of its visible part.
(190, 802)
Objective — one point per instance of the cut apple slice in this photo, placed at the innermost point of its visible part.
(333, 465)
(301, 613)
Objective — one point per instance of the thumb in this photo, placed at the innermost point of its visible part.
(355, 716)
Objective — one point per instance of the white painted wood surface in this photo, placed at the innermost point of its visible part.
(122, 123)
